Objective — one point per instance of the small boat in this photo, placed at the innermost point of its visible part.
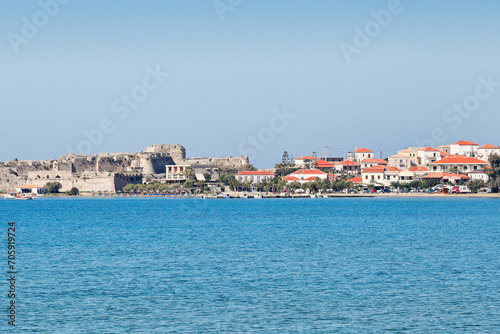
(325, 196)
(313, 196)
(243, 196)
(9, 195)
(257, 196)
(24, 196)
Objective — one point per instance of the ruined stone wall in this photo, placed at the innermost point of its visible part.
(223, 162)
(176, 151)
(86, 182)
(152, 163)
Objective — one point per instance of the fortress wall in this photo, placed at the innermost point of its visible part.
(121, 180)
(176, 151)
(232, 162)
(113, 163)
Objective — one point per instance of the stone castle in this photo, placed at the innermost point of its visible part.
(106, 172)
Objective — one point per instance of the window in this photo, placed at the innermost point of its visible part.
(258, 178)
(366, 177)
(378, 177)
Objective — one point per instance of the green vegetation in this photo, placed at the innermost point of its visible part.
(423, 184)
(494, 173)
(475, 185)
(53, 187)
(74, 192)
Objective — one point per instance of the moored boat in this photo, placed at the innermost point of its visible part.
(9, 195)
(23, 196)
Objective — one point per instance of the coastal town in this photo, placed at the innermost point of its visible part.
(461, 167)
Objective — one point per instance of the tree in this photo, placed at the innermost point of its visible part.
(189, 173)
(475, 185)
(494, 173)
(285, 159)
(207, 176)
(74, 191)
(53, 187)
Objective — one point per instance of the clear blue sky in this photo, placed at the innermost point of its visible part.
(227, 76)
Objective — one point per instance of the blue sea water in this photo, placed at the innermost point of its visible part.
(346, 265)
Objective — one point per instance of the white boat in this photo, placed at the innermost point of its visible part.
(9, 195)
(243, 196)
(23, 196)
(325, 196)
(257, 196)
(313, 196)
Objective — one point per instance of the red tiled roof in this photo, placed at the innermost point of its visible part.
(349, 163)
(323, 164)
(258, 172)
(418, 169)
(465, 143)
(458, 159)
(378, 161)
(445, 175)
(399, 156)
(307, 172)
(307, 157)
(290, 178)
(30, 186)
(331, 177)
(381, 169)
(363, 150)
(429, 149)
(488, 146)
(356, 180)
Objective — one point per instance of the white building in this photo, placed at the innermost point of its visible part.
(305, 175)
(428, 155)
(255, 176)
(401, 161)
(460, 163)
(306, 160)
(361, 154)
(31, 189)
(464, 147)
(380, 175)
(485, 151)
(176, 172)
(478, 174)
(367, 163)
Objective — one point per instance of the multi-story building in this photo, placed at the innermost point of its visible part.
(464, 147)
(458, 163)
(255, 176)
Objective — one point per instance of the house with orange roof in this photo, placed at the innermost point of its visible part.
(367, 163)
(348, 166)
(412, 153)
(460, 163)
(255, 176)
(324, 164)
(306, 160)
(419, 170)
(356, 180)
(478, 174)
(380, 175)
(427, 155)
(401, 161)
(305, 175)
(361, 154)
(31, 189)
(447, 177)
(484, 152)
(464, 147)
